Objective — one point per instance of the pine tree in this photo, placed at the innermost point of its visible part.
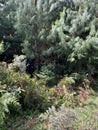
(34, 21)
(7, 32)
(77, 31)
(64, 39)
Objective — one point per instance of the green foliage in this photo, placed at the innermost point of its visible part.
(33, 22)
(76, 31)
(1, 48)
(5, 100)
(62, 118)
(61, 37)
(67, 118)
(34, 95)
(61, 95)
(87, 118)
(11, 41)
(67, 81)
(47, 74)
(71, 41)
(31, 93)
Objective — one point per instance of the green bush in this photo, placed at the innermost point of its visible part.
(6, 99)
(34, 94)
(30, 92)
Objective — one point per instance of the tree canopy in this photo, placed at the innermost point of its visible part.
(59, 34)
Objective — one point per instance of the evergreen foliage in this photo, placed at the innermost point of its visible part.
(58, 39)
(11, 41)
(71, 41)
(33, 22)
(61, 34)
(77, 32)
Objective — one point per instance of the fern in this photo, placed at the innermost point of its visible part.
(5, 100)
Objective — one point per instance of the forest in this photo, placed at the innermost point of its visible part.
(48, 64)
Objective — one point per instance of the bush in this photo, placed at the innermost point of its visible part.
(71, 118)
(60, 119)
(48, 75)
(5, 100)
(31, 92)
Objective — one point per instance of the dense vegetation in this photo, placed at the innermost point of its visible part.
(48, 64)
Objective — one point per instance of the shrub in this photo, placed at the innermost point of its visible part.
(5, 100)
(61, 95)
(31, 92)
(78, 118)
(48, 75)
(60, 119)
